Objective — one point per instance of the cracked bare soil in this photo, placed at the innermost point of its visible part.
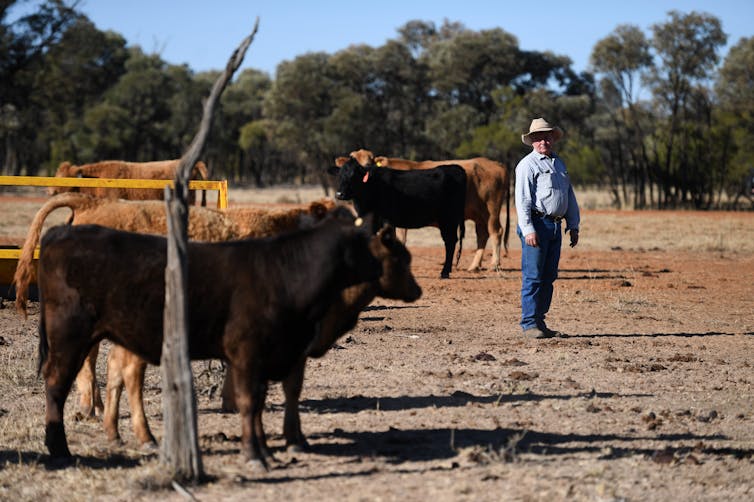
(648, 396)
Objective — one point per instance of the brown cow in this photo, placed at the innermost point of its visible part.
(156, 170)
(396, 282)
(488, 186)
(261, 318)
(205, 224)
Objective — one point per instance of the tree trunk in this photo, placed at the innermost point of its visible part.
(180, 445)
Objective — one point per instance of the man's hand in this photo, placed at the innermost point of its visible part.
(531, 240)
(574, 237)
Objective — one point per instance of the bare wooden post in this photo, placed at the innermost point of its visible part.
(180, 444)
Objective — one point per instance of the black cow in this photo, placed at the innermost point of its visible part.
(254, 303)
(408, 199)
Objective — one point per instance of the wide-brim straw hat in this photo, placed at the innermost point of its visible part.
(541, 125)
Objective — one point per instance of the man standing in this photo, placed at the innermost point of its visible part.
(544, 197)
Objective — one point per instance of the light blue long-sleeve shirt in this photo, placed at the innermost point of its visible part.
(542, 184)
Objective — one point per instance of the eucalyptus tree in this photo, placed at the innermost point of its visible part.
(735, 117)
(23, 44)
(464, 71)
(686, 48)
(138, 104)
(469, 69)
(299, 104)
(239, 114)
(76, 73)
(622, 59)
(356, 119)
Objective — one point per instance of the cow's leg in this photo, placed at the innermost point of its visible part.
(449, 237)
(126, 368)
(113, 391)
(56, 393)
(292, 385)
(90, 400)
(133, 376)
(228, 395)
(250, 395)
(495, 229)
(59, 372)
(482, 235)
(402, 234)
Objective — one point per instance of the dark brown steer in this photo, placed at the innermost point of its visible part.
(253, 303)
(396, 282)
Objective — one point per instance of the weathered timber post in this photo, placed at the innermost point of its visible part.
(180, 444)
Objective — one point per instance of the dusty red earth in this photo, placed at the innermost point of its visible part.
(648, 396)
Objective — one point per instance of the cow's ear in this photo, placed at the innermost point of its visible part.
(317, 209)
(381, 161)
(387, 235)
(339, 161)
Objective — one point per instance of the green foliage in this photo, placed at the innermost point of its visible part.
(655, 123)
(584, 162)
(735, 86)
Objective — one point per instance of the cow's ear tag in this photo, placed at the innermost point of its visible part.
(379, 164)
(365, 178)
(358, 222)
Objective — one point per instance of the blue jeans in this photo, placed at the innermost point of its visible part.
(539, 269)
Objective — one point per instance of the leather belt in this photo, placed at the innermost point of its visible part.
(540, 214)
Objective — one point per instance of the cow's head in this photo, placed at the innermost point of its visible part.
(396, 282)
(363, 157)
(65, 170)
(361, 265)
(352, 177)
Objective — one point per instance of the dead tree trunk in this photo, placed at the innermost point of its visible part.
(180, 445)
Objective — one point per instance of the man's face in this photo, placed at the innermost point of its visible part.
(542, 142)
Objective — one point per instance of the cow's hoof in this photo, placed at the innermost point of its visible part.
(116, 441)
(61, 462)
(298, 447)
(445, 275)
(228, 408)
(55, 441)
(149, 447)
(257, 465)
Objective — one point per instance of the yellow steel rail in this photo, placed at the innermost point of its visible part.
(13, 254)
(53, 181)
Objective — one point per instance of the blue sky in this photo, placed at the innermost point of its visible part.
(204, 33)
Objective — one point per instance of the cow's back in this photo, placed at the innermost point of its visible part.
(406, 198)
(115, 281)
(96, 274)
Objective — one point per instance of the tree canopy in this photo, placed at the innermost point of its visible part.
(660, 118)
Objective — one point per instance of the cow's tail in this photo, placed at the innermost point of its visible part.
(506, 233)
(25, 267)
(461, 235)
(201, 168)
(44, 348)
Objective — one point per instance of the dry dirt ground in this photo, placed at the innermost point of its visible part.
(649, 396)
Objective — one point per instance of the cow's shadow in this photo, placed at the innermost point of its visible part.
(407, 445)
(458, 399)
(649, 335)
(397, 446)
(111, 461)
